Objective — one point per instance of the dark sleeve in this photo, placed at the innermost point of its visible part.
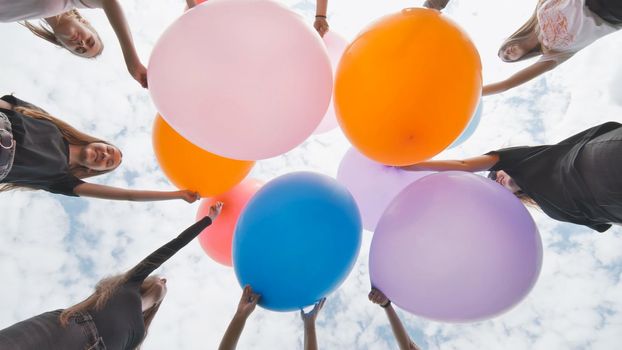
(591, 133)
(64, 186)
(157, 258)
(600, 227)
(513, 156)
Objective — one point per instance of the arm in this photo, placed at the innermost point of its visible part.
(480, 163)
(108, 192)
(401, 336)
(308, 320)
(435, 4)
(519, 78)
(165, 252)
(247, 304)
(321, 24)
(115, 15)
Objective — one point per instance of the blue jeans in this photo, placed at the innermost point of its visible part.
(45, 332)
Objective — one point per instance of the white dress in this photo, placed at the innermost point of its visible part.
(567, 26)
(19, 10)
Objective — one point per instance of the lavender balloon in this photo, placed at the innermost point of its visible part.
(455, 247)
(372, 184)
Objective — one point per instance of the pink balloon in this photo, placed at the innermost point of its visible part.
(336, 45)
(373, 185)
(244, 79)
(455, 247)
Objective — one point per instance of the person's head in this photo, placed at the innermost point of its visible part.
(96, 156)
(99, 157)
(523, 44)
(72, 32)
(505, 180)
(153, 289)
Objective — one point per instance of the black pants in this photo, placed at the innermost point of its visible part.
(45, 332)
(609, 10)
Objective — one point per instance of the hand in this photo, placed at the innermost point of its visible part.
(435, 4)
(139, 72)
(215, 210)
(248, 301)
(377, 297)
(188, 196)
(312, 315)
(321, 25)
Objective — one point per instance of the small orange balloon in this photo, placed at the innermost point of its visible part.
(216, 239)
(190, 167)
(407, 86)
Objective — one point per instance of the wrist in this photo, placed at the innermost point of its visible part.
(320, 16)
(240, 316)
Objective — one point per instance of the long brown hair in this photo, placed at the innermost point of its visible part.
(530, 27)
(104, 290)
(71, 134)
(45, 32)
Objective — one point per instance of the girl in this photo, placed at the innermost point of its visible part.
(578, 180)
(65, 27)
(41, 152)
(555, 32)
(115, 317)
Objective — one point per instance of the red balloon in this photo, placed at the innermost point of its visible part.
(216, 238)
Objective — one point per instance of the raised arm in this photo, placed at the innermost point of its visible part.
(308, 320)
(247, 304)
(115, 15)
(108, 192)
(480, 163)
(435, 4)
(321, 23)
(139, 272)
(399, 332)
(519, 78)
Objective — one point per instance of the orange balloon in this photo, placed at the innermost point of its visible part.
(407, 86)
(216, 239)
(189, 167)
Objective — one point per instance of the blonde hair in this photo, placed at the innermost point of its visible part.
(71, 134)
(530, 27)
(45, 32)
(104, 290)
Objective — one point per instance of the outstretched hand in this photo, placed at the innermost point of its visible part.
(321, 25)
(139, 73)
(188, 196)
(310, 316)
(378, 297)
(215, 210)
(435, 4)
(248, 301)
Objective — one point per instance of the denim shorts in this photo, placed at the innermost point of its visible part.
(45, 332)
(7, 146)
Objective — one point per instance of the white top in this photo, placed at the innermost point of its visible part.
(19, 10)
(567, 26)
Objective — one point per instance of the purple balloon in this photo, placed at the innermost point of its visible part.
(373, 185)
(455, 247)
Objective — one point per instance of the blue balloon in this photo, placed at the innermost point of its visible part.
(471, 127)
(296, 240)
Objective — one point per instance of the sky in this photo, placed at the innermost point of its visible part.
(54, 249)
